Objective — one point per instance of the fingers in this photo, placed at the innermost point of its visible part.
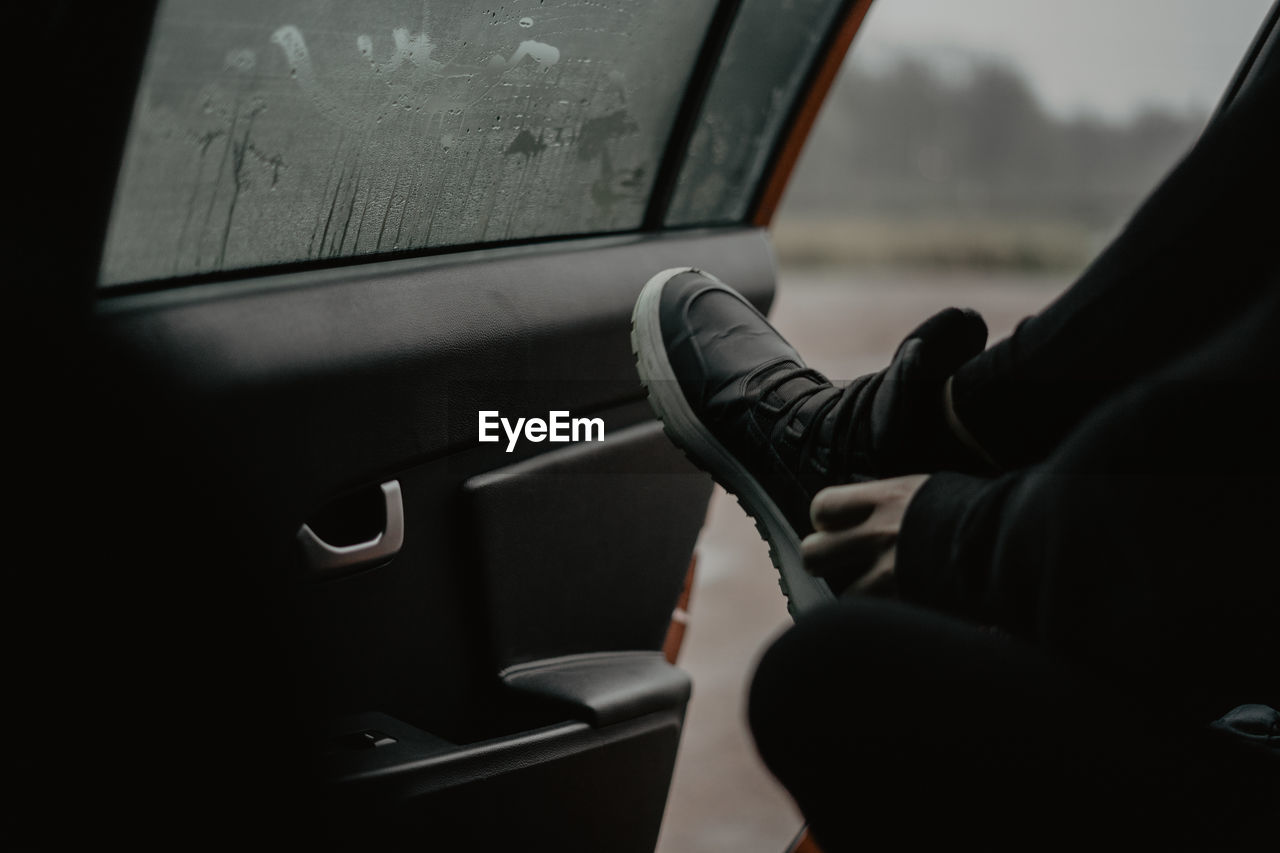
(880, 581)
(952, 336)
(838, 507)
(856, 561)
(855, 550)
(856, 538)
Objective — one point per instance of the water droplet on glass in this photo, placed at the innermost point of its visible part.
(526, 22)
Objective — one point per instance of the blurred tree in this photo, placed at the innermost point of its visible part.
(917, 140)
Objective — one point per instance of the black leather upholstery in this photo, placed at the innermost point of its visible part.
(605, 687)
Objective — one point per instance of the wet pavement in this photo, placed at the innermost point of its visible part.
(845, 324)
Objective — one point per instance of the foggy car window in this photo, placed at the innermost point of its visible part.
(765, 62)
(276, 131)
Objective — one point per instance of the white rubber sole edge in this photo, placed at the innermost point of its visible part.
(803, 590)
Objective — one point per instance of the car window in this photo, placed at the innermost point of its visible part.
(765, 62)
(1004, 134)
(277, 131)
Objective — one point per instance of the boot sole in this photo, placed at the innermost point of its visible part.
(802, 590)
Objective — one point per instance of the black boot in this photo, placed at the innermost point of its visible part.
(739, 400)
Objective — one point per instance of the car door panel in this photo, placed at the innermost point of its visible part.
(295, 395)
(495, 677)
(584, 549)
(566, 786)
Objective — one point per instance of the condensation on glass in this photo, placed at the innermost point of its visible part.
(765, 63)
(273, 131)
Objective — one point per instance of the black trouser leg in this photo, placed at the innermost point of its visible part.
(894, 727)
(1195, 258)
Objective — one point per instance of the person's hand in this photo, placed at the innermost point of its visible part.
(857, 526)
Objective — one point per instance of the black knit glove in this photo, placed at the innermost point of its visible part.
(896, 419)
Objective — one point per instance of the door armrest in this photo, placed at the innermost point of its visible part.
(603, 688)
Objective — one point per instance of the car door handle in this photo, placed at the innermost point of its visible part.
(325, 559)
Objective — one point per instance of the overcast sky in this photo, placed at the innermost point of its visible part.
(1102, 56)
